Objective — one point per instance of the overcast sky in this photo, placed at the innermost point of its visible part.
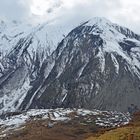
(123, 12)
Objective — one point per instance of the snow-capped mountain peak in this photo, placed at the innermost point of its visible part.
(106, 27)
(99, 21)
(50, 66)
(115, 39)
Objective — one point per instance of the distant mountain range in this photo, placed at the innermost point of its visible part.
(93, 65)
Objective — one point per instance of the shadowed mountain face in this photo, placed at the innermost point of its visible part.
(97, 65)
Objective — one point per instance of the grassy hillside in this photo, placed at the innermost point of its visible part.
(75, 129)
(129, 132)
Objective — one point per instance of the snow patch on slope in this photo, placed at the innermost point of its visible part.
(103, 118)
(13, 101)
(116, 64)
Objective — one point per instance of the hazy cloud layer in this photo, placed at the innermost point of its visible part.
(124, 12)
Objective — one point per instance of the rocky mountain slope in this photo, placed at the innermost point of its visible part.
(23, 50)
(97, 65)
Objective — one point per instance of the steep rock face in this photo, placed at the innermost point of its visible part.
(23, 54)
(20, 68)
(96, 66)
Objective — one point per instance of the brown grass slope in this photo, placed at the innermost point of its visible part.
(76, 129)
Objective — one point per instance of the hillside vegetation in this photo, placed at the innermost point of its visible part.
(128, 132)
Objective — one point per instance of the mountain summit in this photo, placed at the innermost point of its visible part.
(96, 65)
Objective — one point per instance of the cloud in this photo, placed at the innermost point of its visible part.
(123, 12)
(14, 9)
(42, 7)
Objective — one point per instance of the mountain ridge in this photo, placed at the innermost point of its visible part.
(96, 65)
